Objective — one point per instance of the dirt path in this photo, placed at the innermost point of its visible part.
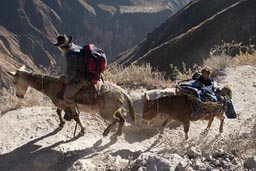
(29, 141)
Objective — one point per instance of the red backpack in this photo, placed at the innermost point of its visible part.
(95, 62)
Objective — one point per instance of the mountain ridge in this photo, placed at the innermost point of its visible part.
(28, 27)
(193, 45)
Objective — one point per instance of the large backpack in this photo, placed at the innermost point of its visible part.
(95, 62)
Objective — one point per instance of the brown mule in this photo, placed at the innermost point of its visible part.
(179, 108)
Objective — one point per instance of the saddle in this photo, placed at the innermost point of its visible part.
(87, 95)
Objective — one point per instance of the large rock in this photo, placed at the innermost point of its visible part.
(193, 152)
(183, 166)
(220, 153)
(154, 162)
(250, 163)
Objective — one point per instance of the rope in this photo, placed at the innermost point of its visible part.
(75, 130)
(42, 83)
(78, 112)
(157, 106)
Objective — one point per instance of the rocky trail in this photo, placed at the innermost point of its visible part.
(29, 140)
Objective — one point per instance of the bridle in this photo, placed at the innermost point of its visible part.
(157, 105)
(42, 83)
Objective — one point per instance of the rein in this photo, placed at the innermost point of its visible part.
(157, 106)
(42, 83)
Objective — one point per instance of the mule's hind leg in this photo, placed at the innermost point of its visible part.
(186, 128)
(117, 118)
(107, 130)
(121, 122)
(62, 122)
(163, 126)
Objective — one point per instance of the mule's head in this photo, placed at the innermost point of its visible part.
(149, 109)
(226, 91)
(19, 81)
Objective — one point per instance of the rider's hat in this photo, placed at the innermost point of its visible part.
(63, 40)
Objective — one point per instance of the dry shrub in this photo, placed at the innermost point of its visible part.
(245, 59)
(218, 62)
(238, 141)
(241, 54)
(232, 49)
(140, 75)
(185, 73)
(242, 141)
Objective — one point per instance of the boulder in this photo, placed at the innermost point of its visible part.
(183, 165)
(153, 162)
(219, 154)
(196, 165)
(250, 163)
(208, 157)
(235, 161)
(193, 152)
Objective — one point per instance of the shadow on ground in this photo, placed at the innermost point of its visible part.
(33, 157)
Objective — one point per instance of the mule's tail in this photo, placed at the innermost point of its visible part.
(130, 106)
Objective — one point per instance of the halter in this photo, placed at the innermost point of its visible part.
(42, 83)
(157, 106)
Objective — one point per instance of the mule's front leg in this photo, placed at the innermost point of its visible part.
(163, 126)
(209, 125)
(186, 129)
(62, 122)
(221, 124)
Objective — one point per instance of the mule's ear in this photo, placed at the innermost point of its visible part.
(11, 73)
(147, 97)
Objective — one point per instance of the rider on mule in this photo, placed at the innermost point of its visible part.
(75, 76)
(204, 78)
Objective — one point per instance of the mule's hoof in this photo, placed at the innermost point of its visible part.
(61, 125)
(60, 128)
(205, 132)
(105, 133)
(221, 131)
(161, 135)
(81, 132)
(118, 133)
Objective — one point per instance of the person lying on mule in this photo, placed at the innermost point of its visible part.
(201, 85)
(75, 76)
(206, 89)
(204, 77)
(207, 84)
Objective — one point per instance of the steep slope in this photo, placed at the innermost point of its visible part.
(189, 35)
(27, 27)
